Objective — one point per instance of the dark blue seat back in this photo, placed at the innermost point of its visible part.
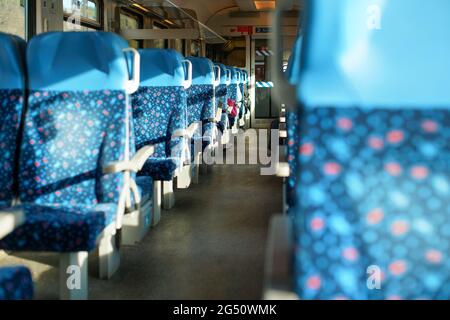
(222, 89)
(77, 119)
(12, 86)
(201, 94)
(160, 104)
(374, 181)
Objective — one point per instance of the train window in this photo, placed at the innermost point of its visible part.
(85, 15)
(179, 45)
(160, 43)
(131, 20)
(195, 48)
(13, 17)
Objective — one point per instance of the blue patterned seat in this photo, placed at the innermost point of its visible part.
(234, 93)
(12, 85)
(160, 112)
(74, 129)
(201, 98)
(372, 219)
(292, 73)
(222, 96)
(15, 283)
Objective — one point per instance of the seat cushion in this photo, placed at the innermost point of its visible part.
(54, 228)
(160, 169)
(15, 283)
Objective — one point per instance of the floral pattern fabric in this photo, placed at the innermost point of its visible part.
(372, 219)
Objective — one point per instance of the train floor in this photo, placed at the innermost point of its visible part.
(210, 246)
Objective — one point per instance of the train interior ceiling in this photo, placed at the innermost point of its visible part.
(227, 149)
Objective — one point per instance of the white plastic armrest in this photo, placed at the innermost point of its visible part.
(10, 220)
(134, 165)
(181, 133)
(192, 129)
(141, 157)
(283, 170)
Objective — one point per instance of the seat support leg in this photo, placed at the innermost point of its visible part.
(168, 195)
(109, 255)
(73, 276)
(157, 194)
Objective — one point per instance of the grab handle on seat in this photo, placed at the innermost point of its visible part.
(187, 83)
(133, 84)
(228, 81)
(217, 76)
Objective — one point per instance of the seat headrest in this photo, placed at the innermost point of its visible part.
(377, 52)
(234, 75)
(223, 73)
(202, 71)
(294, 64)
(162, 68)
(12, 64)
(73, 61)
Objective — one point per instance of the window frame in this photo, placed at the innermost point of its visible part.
(90, 23)
(133, 14)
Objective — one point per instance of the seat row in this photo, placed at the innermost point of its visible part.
(93, 135)
(368, 209)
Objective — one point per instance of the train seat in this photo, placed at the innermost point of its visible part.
(221, 100)
(372, 217)
(234, 97)
(15, 282)
(292, 73)
(160, 116)
(72, 186)
(202, 109)
(242, 110)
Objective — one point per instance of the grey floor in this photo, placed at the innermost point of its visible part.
(210, 246)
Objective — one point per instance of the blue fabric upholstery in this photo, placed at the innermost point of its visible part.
(221, 93)
(12, 84)
(158, 112)
(70, 135)
(374, 182)
(145, 186)
(201, 102)
(293, 75)
(15, 283)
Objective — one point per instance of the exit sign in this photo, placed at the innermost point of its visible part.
(263, 30)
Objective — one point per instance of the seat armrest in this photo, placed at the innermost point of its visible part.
(279, 271)
(134, 165)
(283, 170)
(10, 220)
(190, 131)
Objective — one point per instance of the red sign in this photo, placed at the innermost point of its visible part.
(245, 29)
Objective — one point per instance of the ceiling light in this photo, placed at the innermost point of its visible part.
(265, 5)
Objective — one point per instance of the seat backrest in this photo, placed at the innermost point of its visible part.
(222, 89)
(12, 86)
(201, 101)
(374, 180)
(160, 104)
(77, 118)
(294, 65)
(233, 88)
